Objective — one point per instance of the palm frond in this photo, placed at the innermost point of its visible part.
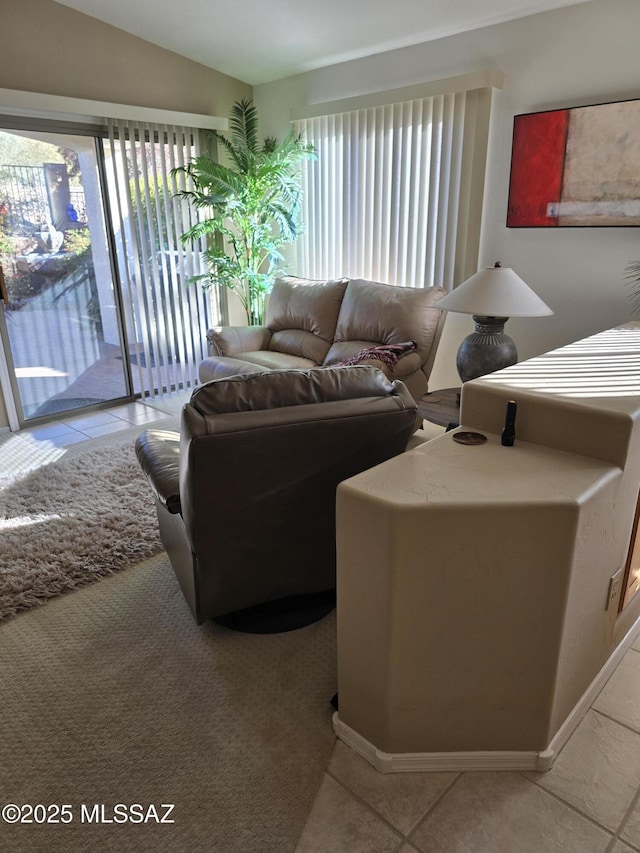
(287, 220)
(294, 149)
(205, 172)
(203, 228)
(243, 121)
(239, 154)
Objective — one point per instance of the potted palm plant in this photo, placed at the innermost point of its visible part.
(248, 209)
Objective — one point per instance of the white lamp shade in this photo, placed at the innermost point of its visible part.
(495, 292)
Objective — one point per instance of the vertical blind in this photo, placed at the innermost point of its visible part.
(390, 195)
(166, 318)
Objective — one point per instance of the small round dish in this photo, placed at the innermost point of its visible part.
(469, 437)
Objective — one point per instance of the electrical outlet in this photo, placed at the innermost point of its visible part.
(614, 588)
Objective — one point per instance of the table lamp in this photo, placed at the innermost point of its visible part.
(492, 295)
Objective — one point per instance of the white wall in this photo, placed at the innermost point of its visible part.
(578, 55)
(54, 50)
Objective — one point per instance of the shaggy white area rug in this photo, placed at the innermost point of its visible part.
(71, 522)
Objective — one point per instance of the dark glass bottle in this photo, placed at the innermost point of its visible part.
(509, 431)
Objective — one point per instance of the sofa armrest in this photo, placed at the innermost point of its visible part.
(229, 340)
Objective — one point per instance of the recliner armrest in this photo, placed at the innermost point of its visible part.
(158, 453)
(229, 340)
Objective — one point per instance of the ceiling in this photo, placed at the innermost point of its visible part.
(258, 41)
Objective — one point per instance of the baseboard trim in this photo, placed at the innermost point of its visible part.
(416, 762)
(420, 762)
(589, 696)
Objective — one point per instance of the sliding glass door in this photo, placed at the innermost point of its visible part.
(63, 346)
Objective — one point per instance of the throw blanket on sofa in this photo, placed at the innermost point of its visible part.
(388, 354)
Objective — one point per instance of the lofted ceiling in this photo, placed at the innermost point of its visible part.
(258, 41)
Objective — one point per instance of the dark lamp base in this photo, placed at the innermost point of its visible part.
(485, 350)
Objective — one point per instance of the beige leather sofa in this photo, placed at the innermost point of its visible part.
(324, 323)
(246, 492)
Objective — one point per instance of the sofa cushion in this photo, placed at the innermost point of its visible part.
(218, 367)
(277, 360)
(221, 367)
(373, 314)
(302, 316)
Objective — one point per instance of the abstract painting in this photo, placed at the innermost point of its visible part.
(576, 167)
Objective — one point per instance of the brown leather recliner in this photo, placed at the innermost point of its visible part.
(246, 492)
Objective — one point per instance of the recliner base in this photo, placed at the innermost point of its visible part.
(285, 614)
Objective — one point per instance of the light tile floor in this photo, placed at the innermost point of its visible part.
(589, 802)
(75, 428)
(34, 446)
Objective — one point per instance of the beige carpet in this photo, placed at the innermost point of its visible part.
(111, 694)
(67, 523)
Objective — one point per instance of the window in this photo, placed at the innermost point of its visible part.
(396, 192)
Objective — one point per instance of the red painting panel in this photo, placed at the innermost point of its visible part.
(537, 163)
